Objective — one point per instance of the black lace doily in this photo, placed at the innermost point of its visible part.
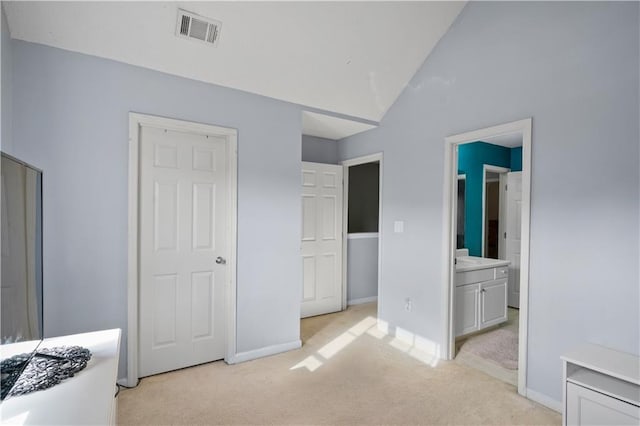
(47, 368)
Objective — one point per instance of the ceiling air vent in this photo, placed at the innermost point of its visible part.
(199, 28)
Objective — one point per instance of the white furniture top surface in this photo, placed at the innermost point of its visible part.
(86, 398)
(11, 349)
(617, 364)
(472, 263)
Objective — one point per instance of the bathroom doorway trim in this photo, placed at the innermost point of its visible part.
(449, 237)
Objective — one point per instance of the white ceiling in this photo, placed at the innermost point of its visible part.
(351, 58)
(329, 127)
(510, 140)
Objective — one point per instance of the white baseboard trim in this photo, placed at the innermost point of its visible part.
(266, 351)
(124, 382)
(243, 356)
(544, 400)
(362, 300)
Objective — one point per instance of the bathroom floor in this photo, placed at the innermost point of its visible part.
(494, 352)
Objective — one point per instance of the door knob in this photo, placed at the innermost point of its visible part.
(221, 260)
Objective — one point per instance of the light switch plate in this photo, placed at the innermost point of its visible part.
(398, 226)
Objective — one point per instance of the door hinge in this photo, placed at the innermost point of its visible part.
(505, 235)
(506, 187)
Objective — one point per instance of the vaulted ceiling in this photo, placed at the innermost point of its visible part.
(349, 58)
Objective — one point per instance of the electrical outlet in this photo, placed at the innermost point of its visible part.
(407, 304)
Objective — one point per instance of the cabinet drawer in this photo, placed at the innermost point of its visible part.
(502, 272)
(470, 277)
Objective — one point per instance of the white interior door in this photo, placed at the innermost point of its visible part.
(513, 235)
(321, 239)
(182, 222)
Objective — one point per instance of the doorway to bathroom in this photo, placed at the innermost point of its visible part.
(480, 276)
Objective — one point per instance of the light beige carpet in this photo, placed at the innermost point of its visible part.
(480, 351)
(499, 345)
(346, 373)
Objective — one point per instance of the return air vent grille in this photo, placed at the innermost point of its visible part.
(198, 28)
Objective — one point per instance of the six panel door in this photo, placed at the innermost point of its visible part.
(321, 239)
(182, 222)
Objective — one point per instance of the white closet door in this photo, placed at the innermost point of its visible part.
(183, 220)
(321, 239)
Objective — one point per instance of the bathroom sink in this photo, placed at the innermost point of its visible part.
(472, 260)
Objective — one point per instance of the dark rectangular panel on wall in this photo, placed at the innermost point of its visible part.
(364, 190)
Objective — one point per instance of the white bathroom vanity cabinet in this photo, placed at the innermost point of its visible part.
(480, 294)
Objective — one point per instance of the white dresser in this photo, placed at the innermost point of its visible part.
(601, 386)
(88, 398)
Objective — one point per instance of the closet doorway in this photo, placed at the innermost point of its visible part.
(361, 229)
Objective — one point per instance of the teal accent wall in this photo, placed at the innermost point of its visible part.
(471, 158)
(516, 159)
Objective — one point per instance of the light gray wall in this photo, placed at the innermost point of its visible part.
(6, 91)
(319, 150)
(573, 67)
(71, 120)
(362, 271)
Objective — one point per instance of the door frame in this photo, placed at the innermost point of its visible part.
(136, 121)
(505, 179)
(449, 237)
(461, 176)
(371, 158)
(495, 169)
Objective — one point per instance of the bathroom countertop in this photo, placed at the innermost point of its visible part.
(472, 263)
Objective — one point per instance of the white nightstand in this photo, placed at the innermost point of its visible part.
(601, 386)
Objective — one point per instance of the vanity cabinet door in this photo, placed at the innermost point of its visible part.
(467, 315)
(493, 302)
